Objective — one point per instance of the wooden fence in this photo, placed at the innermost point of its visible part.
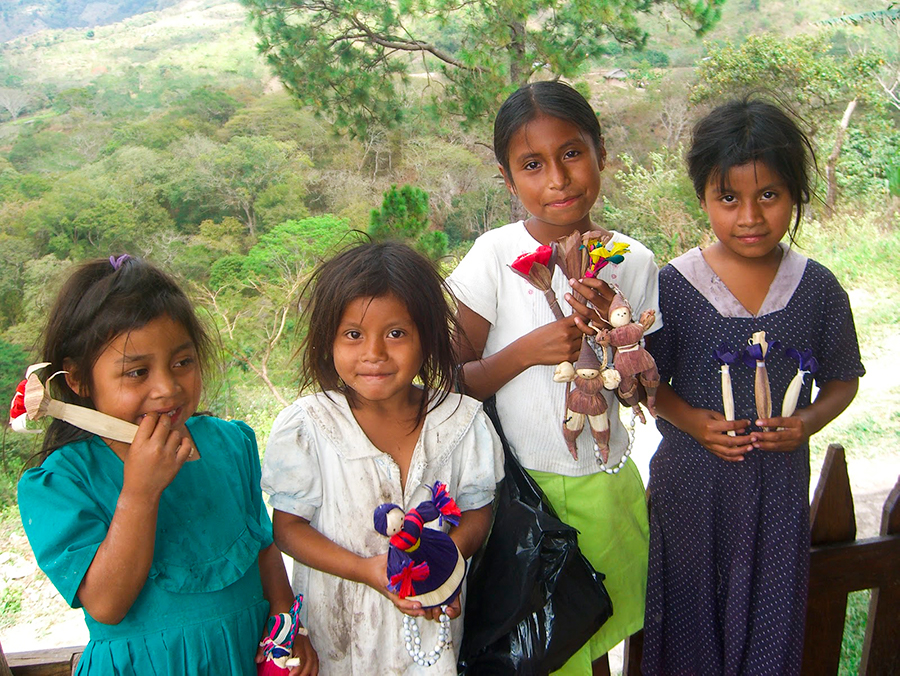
(839, 564)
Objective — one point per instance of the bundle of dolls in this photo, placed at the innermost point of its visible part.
(579, 256)
(754, 356)
(423, 564)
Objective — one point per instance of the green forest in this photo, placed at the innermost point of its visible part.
(169, 135)
(223, 141)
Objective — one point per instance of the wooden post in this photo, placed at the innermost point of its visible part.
(832, 521)
(634, 648)
(4, 667)
(880, 654)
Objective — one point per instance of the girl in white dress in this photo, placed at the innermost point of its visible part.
(379, 324)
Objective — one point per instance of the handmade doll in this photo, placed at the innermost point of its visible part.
(424, 564)
(585, 399)
(281, 630)
(631, 359)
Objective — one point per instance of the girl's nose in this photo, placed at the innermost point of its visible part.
(375, 350)
(165, 384)
(558, 177)
(750, 213)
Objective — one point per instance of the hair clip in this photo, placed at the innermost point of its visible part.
(117, 261)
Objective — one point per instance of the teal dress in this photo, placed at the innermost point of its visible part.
(201, 610)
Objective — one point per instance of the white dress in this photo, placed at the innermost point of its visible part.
(531, 405)
(320, 465)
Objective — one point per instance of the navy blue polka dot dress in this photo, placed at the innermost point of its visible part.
(729, 541)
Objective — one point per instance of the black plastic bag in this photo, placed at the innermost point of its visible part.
(532, 599)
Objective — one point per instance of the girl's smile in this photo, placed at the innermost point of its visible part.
(153, 369)
(555, 172)
(377, 351)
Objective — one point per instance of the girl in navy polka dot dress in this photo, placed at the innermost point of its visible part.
(729, 499)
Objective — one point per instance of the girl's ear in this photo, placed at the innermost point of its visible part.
(506, 179)
(703, 204)
(73, 380)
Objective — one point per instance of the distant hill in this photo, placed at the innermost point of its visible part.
(24, 17)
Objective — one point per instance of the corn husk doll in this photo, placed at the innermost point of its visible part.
(585, 401)
(631, 360)
(424, 564)
(806, 363)
(755, 357)
(726, 358)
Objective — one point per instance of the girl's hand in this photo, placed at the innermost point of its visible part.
(598, 294)
(453, 611)
(786, 434)
(309, 659)
(155, 456)
(710, 429)
(555, 342)
(375, 575)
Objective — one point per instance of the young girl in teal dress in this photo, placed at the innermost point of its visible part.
(165, 542)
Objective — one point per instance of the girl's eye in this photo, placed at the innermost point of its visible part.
(531, 166)
(187, 361)
(135, 373)
(572, 153)
(353, 335)
(728, 199)
(769, 194)
(397, 333)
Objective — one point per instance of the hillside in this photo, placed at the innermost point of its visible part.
(25, 17)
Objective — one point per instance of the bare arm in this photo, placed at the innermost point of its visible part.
(277, 591)
(296, 537)
(473, 528)
(120, 567)
(550, 344)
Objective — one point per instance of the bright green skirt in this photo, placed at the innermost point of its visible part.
(610, 512)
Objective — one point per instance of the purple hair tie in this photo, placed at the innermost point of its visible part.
(117, 262)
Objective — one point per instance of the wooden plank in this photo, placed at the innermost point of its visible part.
(831, 514)
(4, 667)
(48, 662)
(880, 654)
(634, 648)
(864, 564)
(825, 613)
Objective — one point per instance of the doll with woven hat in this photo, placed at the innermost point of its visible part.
(585, 400)
(631, 360)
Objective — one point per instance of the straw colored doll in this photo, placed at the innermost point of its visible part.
(632, 361)
(585, 400)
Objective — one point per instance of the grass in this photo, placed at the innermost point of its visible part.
(854, 632)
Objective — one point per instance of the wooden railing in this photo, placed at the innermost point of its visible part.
(839, 564)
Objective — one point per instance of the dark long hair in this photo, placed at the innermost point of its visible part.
(552, 98)
(373, 270)
(752, 130)
(103, 299)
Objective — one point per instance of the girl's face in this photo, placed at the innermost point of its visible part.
(554, 169)
(153, 369)
(377, 351)
(753, 212)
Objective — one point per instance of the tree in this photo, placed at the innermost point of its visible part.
(404, 216)
(14, 101)
(350, 59)
(235, 174)
(800, 70)
(254, 297)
